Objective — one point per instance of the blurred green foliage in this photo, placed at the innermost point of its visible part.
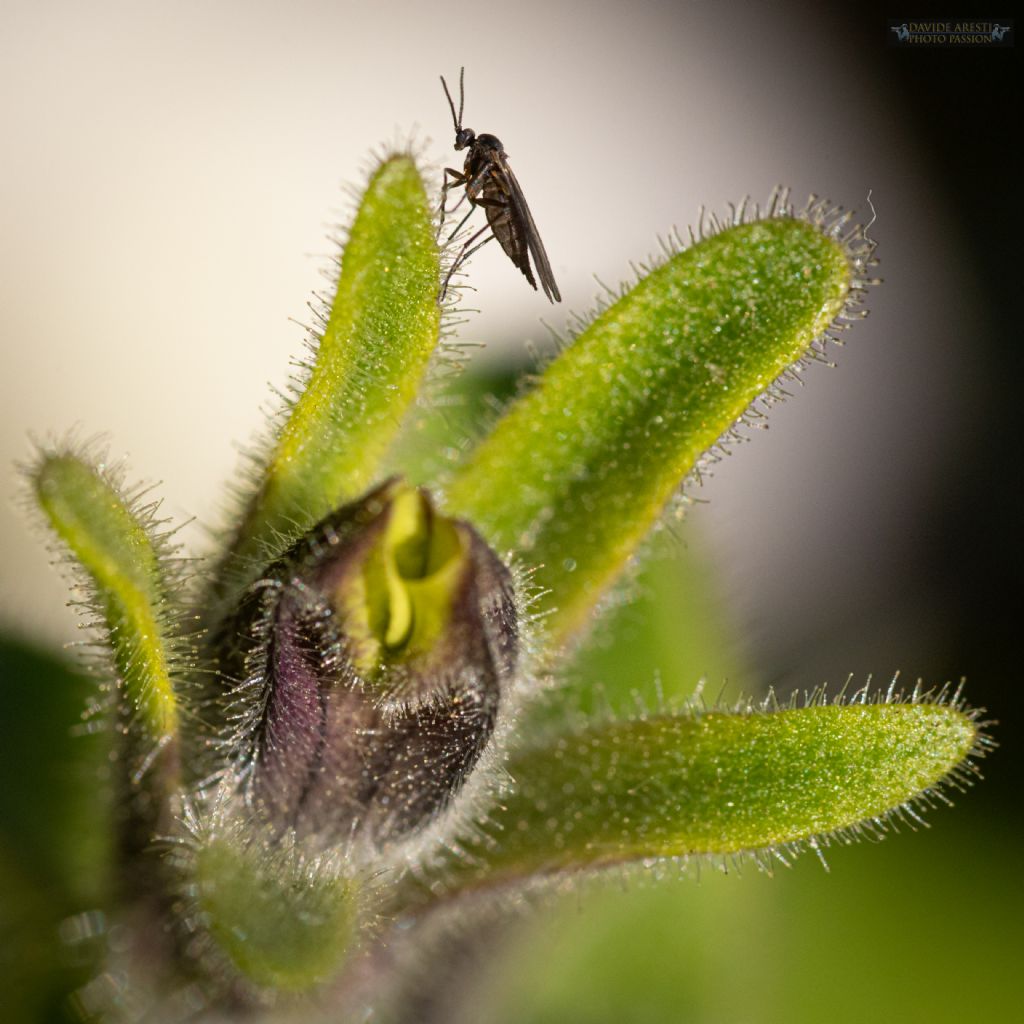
(53, 832)
(922, 928)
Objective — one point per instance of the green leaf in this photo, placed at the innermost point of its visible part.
(55, 847)
(663, 635)
(714, 783)
(43, 698)
(114, 541)
(285, 920)
(372, 354)
(613, 955)
(446, 426)
(576, 473)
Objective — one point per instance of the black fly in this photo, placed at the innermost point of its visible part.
(490, 183)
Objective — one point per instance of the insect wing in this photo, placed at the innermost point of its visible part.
(506, 223)
(521, 215)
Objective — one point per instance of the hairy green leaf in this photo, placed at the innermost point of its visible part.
(114, 543)
(283, 919)
(373, 351)
(628, 410)
(714, 783)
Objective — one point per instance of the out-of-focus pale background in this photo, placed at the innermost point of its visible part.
(170, 172)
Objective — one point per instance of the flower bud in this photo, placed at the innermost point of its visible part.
(373, 657)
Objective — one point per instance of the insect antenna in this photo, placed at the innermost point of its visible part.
(462, 98)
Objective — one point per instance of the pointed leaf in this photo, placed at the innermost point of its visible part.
(382, 327)
(115, 544)
(716, 782)
(576, 473)
(285, 920)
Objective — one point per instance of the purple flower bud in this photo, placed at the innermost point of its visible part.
(374, 655)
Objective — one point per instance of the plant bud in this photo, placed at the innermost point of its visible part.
(373, 656)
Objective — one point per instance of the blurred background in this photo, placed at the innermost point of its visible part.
(170, 175)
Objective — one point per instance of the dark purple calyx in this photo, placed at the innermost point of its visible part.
(373, 657)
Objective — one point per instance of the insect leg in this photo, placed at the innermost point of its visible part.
(475, 184)
(462, 199)
(479, 245)
(465, 252)
(460, 225)
(458, 178)
(500, 204)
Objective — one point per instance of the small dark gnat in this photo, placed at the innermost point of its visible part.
(490, 183)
